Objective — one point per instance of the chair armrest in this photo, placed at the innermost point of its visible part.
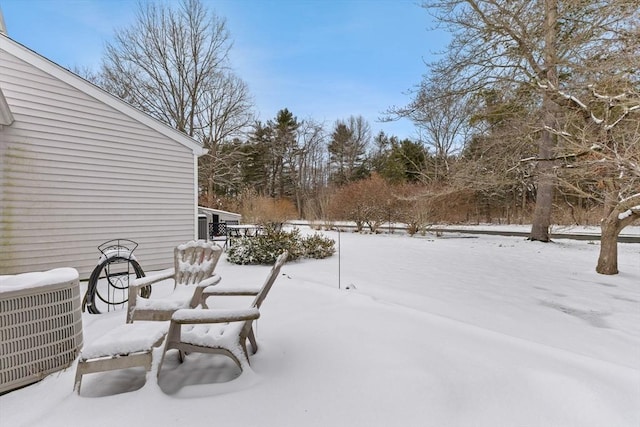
(135, 287)
(154, 278)
(210, 281)
(230, 291)
(197, 316)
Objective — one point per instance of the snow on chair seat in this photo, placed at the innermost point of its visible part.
(126, 346)
(212, 331)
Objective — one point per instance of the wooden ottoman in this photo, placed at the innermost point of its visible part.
(126, 346)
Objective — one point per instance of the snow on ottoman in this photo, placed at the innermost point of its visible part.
(126, 346)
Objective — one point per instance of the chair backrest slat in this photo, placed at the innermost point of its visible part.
(195, 261)
(271, 278)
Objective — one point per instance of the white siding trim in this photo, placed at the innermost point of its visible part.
(220, 212)
(195, 198)
(6, 118)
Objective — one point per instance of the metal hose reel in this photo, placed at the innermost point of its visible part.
(108, 287)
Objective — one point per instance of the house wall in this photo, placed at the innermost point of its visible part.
(75, 172)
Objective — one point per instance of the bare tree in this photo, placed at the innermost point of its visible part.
(442, 120)
(600, 127)
(543, 44)
(167, 61)
(501, 134)
(310, 167)
(222, 124)
(173, 64)
(602, 160)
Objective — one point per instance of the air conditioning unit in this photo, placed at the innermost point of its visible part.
(40, 325)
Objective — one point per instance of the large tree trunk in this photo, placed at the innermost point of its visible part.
(544, 203)
(546, 178)
(546, 144)
(608, 259)
(618, 218)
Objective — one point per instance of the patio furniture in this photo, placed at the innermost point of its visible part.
(195, 263)
(218, 231)
(219, 331)
(131, 345)
(244, 230)
(126, 346)
(237, 231)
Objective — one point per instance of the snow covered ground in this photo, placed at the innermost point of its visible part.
(395, 331)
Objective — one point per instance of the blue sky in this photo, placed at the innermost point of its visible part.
(321, 59)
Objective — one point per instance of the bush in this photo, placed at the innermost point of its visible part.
(264, 210)
(318, 246)
(264, 249)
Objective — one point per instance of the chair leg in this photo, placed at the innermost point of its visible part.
(78, 380)
(173, 335)
(252, 340)
(246, 356)
(164, 353)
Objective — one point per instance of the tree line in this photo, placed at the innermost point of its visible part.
(531, 115)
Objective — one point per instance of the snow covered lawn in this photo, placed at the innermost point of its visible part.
(424, 331)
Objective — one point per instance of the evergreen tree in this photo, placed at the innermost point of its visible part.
(347, 150)
(283, 152)
(256, 164)
(397, 161)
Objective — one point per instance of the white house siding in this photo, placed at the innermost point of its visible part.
(75, 172)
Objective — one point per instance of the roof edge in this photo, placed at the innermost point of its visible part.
(3, 26)
(218, 210)
(33, 58)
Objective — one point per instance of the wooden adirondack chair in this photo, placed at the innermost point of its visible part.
(194, 265)
(221, 331)
(132, 344)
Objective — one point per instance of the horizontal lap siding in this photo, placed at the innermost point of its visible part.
(76, 173)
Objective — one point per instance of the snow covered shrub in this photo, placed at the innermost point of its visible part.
(264, 249)
(318, 246)
(243, 252)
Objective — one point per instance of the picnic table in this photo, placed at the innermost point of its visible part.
(237, 231)
(243, 230)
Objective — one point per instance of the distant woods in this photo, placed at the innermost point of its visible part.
(532, 115)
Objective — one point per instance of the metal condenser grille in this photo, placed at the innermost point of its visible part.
(40, 332)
